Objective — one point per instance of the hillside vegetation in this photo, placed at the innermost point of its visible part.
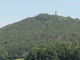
(58, 51)
(18, 38)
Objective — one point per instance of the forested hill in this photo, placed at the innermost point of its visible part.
(18, 38)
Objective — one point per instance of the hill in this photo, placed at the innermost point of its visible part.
(18, 38)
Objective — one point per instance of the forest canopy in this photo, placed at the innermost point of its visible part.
(18, 38)
(58, 51)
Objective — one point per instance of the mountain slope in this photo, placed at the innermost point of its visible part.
(20, 37)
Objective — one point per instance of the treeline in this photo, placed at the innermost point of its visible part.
(58, 51)
(18, 38)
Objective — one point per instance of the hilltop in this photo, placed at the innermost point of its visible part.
(18, 38)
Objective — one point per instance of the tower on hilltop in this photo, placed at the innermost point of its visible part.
(55, 12)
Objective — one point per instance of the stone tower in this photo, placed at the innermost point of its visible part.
(55, 12)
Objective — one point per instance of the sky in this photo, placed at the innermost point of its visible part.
(12, 11)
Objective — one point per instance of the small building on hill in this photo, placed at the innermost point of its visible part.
(61, 16)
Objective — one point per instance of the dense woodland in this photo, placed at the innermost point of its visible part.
(18, 38)
(58, 51)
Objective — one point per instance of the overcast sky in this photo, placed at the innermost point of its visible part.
(15, 10)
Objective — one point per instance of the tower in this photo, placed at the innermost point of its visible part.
(55, 12)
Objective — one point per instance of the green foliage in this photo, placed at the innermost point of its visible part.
(59, 52)
(18, 38)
